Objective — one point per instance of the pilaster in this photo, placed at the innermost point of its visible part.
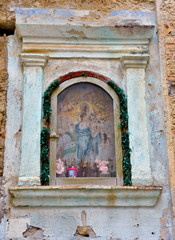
(31, 124)
(138, 129)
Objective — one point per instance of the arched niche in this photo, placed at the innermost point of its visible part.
(94, 84)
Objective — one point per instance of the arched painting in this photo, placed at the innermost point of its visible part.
(85, 125)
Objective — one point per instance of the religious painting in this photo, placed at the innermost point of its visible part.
(85, 125)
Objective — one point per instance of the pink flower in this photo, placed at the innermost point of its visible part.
(59, 166)
(102, 165)
(103, 169)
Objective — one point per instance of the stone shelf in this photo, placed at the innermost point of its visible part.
(85, 196)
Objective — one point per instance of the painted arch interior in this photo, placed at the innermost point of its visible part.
(85, 125)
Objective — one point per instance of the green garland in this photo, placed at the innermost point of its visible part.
(124, 127)
(125, 134)
(126, 159)
(47, 100)
(45, 134)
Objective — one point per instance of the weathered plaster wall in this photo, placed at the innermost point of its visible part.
(166, 32)
(107, 223)
(14, 113)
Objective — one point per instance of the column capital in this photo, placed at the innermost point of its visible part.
(134, 61)
(34, 60)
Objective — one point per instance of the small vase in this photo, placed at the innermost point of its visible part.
(72, 172)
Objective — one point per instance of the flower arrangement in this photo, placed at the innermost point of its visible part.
(59, 166)
(102, 165)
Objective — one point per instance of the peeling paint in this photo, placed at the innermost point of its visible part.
(80, 34)
(84, 231)
(33, 233)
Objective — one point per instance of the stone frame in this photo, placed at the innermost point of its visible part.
(46, 34)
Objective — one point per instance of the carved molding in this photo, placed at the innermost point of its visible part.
(89, 48)
(85, 196)
(34, 60)
(135, 61)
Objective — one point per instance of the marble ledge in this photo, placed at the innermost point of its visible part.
(84, 196)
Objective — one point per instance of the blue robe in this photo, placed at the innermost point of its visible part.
(86, 143)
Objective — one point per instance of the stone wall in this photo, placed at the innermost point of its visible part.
(166, 33)
(3, 94)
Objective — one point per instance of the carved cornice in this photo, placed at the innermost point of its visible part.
(54, 34)
(34, 60)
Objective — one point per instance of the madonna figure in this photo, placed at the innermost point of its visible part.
(86, 143)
